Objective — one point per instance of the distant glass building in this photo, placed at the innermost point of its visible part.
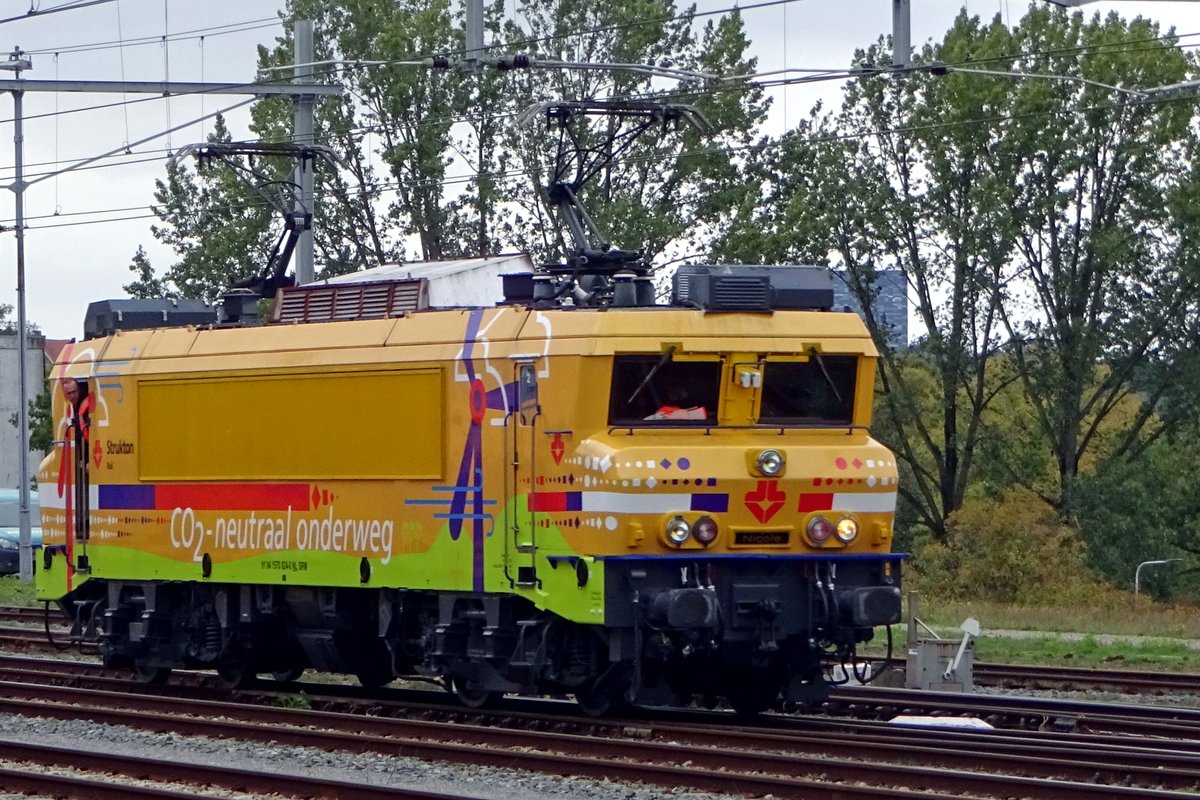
(891, 302)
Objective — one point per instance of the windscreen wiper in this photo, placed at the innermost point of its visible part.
(828, 378)
(654, 371)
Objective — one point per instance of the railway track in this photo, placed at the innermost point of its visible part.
(783, 757)
(1055, 749)
(24, 614)
(1071, 678)
(986, 674)
(1019, 712)
(163, 779)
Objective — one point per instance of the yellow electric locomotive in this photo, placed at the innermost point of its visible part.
(632, 502)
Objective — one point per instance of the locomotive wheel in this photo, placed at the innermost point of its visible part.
(753, 698)
(474, 698)
(235, 673)
(373, 676)
(234, 676)
(287, 675)
(602, 698)
(151, 676)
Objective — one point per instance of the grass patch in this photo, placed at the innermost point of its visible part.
(1089, 652)
(1116, 613)
(15, 592)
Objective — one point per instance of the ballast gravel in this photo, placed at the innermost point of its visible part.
(455, 781)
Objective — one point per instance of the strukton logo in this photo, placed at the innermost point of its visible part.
(765, 501)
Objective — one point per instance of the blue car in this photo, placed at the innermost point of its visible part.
(10, 531)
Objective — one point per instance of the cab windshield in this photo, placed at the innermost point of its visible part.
(819, 391)
(658, 390)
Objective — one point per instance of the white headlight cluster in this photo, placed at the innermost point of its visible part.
(8, 544)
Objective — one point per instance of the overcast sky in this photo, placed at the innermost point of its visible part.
(83, 227)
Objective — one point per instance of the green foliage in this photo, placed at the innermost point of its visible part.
(146, 285)
(397, 114)
(666, 190)
(1004, 551)
(1142, 510)
(299, 701)
(9, 326)
(41, 424)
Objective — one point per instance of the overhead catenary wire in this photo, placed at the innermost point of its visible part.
(364, 130)
(41, 12)
(810, 75)
(227, 29)
(391, 186)
(817, 73)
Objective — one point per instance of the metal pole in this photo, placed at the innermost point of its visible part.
(17, 62)
(901, 34)
(1137, 573)
(25, 554)
(474, 24)
(303, 134)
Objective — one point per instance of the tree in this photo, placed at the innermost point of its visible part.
(1066, 253)
(1145, 509)
(146, 285)
(40, 428)
(405, 114)
(1106, 304)
(902, 177)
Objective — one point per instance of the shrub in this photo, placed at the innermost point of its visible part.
(1014, 549)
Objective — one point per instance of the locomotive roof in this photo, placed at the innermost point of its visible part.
(438, 335)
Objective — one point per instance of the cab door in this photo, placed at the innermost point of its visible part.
(521, 537)
(81, 454)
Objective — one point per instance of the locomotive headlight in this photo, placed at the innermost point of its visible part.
(678, 531)
(705, 530)
(847, 530)
(819, 530)
(770, 462)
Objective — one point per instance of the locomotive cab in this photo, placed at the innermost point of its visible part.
(743, 513)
